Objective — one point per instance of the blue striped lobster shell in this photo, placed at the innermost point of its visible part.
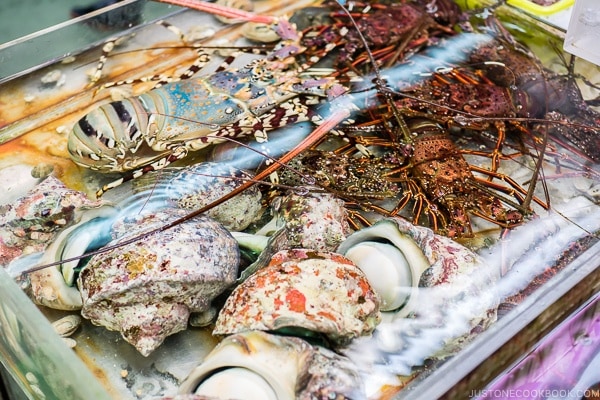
(150, 131)
(188, 114)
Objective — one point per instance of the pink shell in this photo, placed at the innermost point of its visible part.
(319, 291)
(33, 220)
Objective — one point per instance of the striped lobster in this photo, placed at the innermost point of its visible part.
(148, 132)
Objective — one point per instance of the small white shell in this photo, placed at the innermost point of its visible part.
(259, 32)
(199, 32)
(66, 326)
(71, 343)
(245, 5)
(203, 318)
(53, 76)
(42, 170)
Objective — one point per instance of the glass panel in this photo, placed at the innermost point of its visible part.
(36, 358)
(67, 39)
(479, 156)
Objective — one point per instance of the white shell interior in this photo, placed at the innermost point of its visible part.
(236, 383)
(387, 271)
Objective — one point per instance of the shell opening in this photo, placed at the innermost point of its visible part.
(236, 383)
(387, 270)
(393, 265)
(88, 237)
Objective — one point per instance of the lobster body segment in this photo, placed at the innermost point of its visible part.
(186, 115)
(445, 177)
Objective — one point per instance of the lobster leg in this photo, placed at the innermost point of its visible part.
(178, 154)
(341, 113)
(162, 79)
(201, 61)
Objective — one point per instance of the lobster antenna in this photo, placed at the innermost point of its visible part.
(380, 83)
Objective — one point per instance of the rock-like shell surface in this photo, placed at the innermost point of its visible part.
(315, 221)
(200, 184)
(30, 224)
(448, 264)
(147, 289)
(55, 287)
(319, 291)
(451, 304)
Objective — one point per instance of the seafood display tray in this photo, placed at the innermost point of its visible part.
(37, 109)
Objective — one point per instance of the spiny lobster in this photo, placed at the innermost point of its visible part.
(500, 82)
(427, 170)
(150, 131)
(444, 202)
(390, 31)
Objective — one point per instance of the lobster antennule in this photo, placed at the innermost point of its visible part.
(223, 11)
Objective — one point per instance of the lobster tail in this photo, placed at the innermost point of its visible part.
(108, 137)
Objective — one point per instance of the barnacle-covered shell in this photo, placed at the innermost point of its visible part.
(314, 221)
(54, 287)
(318, 291)
(200, 184)
(29, 224)
(273, 367)
(450, 304)
(146, 290)
(392, 261)
(399, 257)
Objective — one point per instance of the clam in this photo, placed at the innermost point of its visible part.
(67, 325)
(147, 289)
(258, 365)
(303, 290)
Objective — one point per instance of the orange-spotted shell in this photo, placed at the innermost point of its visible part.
(322, 292)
